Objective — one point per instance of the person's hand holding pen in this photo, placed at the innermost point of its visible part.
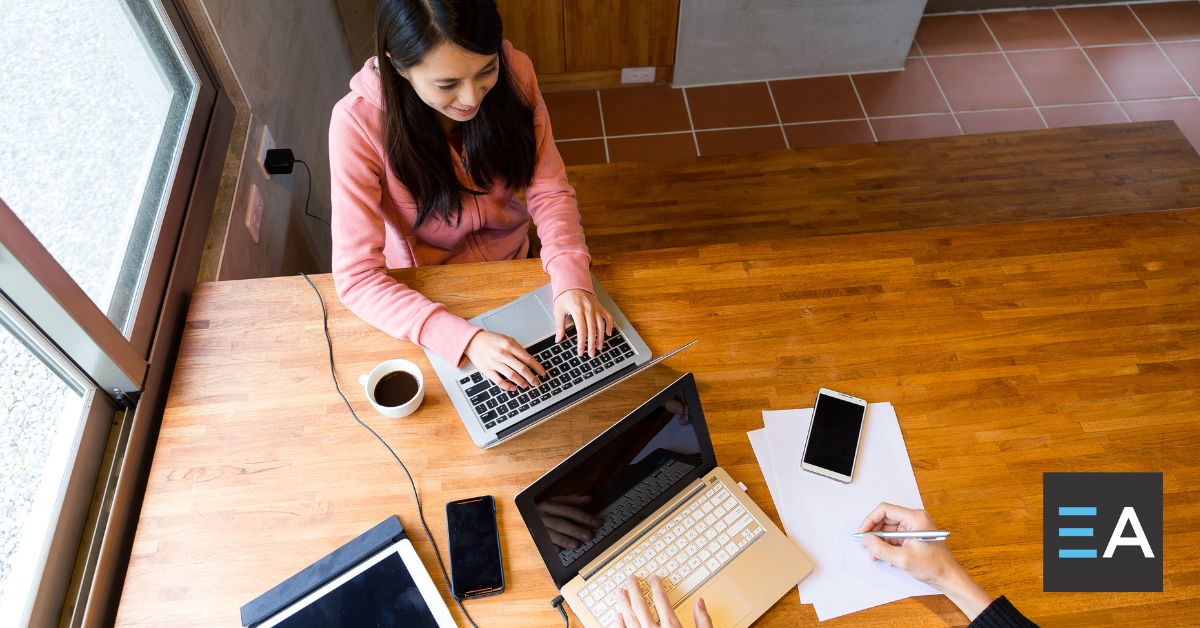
(928, 561)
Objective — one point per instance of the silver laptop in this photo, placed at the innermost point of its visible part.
(647, 497)
(493, 415)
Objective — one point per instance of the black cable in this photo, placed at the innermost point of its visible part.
(308, 196)
(558, 604)
(420, 513)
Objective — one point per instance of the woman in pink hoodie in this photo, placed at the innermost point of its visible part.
(438, 132)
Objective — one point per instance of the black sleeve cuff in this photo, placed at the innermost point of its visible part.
(1001, 614)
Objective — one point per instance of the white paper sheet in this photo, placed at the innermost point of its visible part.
(820, 514)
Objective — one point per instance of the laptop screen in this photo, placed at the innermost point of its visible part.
(589, 501)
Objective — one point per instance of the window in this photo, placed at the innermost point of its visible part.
(96, 98)
(40, 416)
(112, 137)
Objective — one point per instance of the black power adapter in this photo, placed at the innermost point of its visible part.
(281, 161)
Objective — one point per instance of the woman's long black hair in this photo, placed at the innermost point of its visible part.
(499, 140)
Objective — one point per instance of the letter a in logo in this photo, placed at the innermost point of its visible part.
(1128, 516)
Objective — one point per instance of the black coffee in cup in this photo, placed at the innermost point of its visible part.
(395, 389)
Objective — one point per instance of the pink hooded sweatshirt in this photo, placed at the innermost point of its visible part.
(373, 217)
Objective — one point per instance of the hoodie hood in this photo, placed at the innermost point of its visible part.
(366, 84)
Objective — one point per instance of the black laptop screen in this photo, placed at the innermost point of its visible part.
(594, 497)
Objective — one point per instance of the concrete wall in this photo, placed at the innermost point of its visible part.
(285, 62)
(358, 20)
(749, 40)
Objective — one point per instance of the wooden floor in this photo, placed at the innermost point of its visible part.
(913, 184)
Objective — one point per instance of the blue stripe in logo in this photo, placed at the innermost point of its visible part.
(1075, 531)
(1077, 511)
(1076, 553)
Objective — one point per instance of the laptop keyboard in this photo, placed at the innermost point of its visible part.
(566, 371)
(630, 503)
(686, 551)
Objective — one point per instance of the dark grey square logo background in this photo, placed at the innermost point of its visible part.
(1109, 493)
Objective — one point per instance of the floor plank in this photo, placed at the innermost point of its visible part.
(1028, 175)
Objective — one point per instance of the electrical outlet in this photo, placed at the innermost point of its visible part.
(265, 143)
(637, 75)
(254, 212)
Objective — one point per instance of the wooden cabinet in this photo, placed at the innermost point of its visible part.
(574, 44)
(535, 27)
(607, 34)
(579, 44)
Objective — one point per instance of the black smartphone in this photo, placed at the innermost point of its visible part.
(475, 567)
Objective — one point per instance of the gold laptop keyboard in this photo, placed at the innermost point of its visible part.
(685, 551)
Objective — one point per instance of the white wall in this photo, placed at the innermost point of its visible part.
(747, 40)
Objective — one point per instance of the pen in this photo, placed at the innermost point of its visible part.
(920, 535)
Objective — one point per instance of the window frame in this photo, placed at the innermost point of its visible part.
(158, 272)
(133, 372)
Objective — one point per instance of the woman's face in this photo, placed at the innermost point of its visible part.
(453, 80)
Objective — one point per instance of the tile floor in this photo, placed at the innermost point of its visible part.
(966, 73)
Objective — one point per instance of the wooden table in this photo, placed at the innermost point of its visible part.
(1008, 350)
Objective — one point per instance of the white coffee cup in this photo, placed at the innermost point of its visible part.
(370, 380)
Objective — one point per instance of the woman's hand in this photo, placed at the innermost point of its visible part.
(928, 561)
(635, 613)
(592, 321)
(503, 360)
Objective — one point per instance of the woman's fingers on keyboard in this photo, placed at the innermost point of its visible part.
(498, 378)
(522, 374)
(530, 361)
(509, 375)
(700, 614)
(518, 358)
(597, 335)
(641, 611)
(582, 334)
(666, 614)
(625, 615)
(560, 327)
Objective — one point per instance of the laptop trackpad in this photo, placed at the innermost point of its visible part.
(726, 604)
(526, 321)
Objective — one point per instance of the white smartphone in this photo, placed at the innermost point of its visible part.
(834, 435)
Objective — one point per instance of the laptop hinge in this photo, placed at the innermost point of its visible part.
(646, 530)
